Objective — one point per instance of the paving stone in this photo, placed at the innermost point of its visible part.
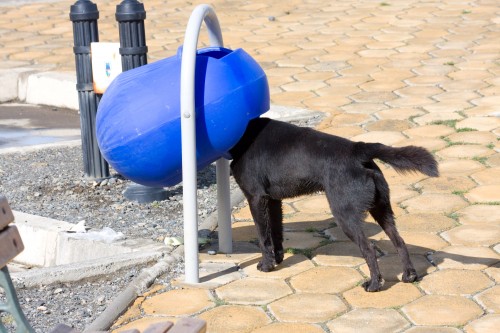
(313, 204)
(463, 257)
(473, 235)
(435, 116)
(494, 272)
(465, 151)
(455, 282)
(326, 280)
(234, 319)
(476, 137)
(490, 299)
(253, 291)
(345, 132)
(392, 295)
(399, 114)
(428, 222)
(486, 324)
(242, 252)
(479, 123)
(368, 320)
(429, 131)
(371, 230)
(417, 242)
(307, 221)
(212, 275)
(244, 231)
(349, 119)
(402, 192)
(301, 240)
(431, 144)
(391, 267)
(385, 137)
(445, 184)
(442, 310)
(454, 166)
(390, 125)
(445, 203)
(290, 328)
(430, 329)
(142, 324)
(484, 193)
(308, 308)
(489, 176)
(338, 254)
(178, 302)
(293, 264)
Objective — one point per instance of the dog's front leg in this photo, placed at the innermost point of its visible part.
(259, 207)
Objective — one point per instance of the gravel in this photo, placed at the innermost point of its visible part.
(50, 182)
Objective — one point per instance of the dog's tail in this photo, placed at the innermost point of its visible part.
(403, 159)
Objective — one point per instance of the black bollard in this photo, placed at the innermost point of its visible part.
(130, 15)
(84, 15)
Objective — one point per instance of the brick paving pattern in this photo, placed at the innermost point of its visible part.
(421, 72)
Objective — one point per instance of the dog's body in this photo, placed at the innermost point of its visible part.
(276, 160)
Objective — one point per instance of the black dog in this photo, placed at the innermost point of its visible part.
(276, 160)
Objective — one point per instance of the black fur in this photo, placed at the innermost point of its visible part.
(276, 160)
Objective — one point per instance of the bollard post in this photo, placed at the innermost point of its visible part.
(130, 15)
(84, 15)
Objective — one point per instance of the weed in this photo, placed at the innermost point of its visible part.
(453, 216)
(490, 146)
(384, 4)
(481, 160)
(465, 12)
(311, 229)
(449, 63)
(306, 252)
(449, 123)
(459, 192)
(466, 129)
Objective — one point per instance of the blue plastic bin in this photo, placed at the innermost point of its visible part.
(138, 123)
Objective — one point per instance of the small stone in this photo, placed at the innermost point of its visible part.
(212, 252)
(272, 18)
(58, 291)
(42, 308)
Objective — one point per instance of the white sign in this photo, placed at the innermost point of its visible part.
(106, 64)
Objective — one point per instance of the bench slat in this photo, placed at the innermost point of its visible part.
(162, 327)
(10, 244)
(6, 215)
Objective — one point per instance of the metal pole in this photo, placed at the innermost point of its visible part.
(188, 131)
(84, 15)
(130, 15)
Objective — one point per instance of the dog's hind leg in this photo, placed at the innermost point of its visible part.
(349, 217)
(383, 214)
(261, 213)
(276, 221)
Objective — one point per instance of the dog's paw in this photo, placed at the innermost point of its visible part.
(278, 257)
(410, 275)
(373, 285)
(265, 266)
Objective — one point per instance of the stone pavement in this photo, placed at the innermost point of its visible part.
(423, 72)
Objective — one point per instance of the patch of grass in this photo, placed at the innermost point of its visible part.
(311, 229)
(449, 63)
(384, 4)
(490, 146)
(466, 129)
(453, 216)
(481, 160)
(489, 203)
(220, 302)
(449, 123)
(306, 252)
(459, 192)
(465, 12)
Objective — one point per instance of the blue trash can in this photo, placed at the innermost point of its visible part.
(138, 124)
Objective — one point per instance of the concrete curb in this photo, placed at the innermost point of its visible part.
(39, 85)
